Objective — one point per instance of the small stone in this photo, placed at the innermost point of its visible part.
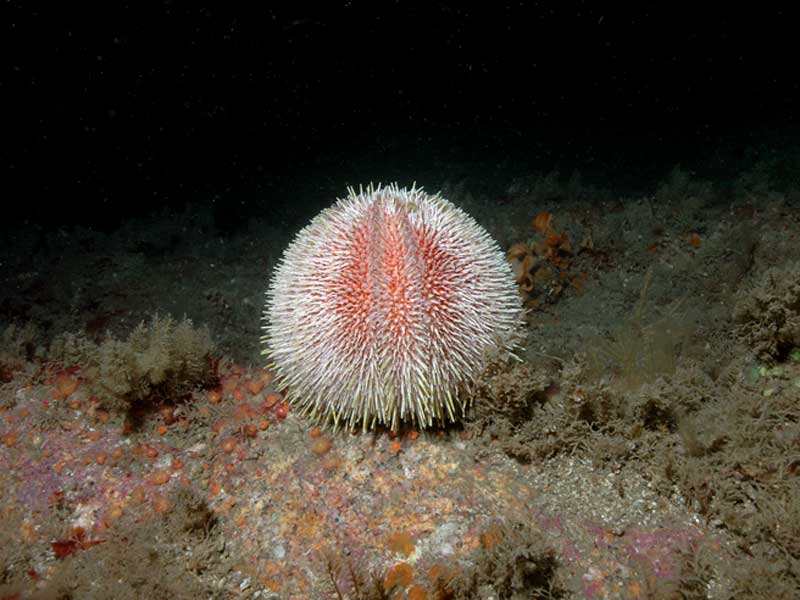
(321, 445)
(159, 477)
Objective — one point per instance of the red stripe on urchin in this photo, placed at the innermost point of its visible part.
(390, 289)
(375, 286)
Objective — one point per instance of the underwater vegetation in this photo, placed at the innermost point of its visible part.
(767, 314)
(642, 347)
(646, 446)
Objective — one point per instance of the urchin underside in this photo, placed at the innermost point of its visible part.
(385, 307)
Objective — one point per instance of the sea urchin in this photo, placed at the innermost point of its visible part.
(386, 307)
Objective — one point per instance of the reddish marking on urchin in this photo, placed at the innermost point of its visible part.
(384, 308)
(389, 271)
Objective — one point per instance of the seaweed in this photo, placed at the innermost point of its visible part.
(160, 362)
(14, 553)
(18, 345)
(145, 557)
(641, 349)
(514, 562)
(346, 581)
(767, 314)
